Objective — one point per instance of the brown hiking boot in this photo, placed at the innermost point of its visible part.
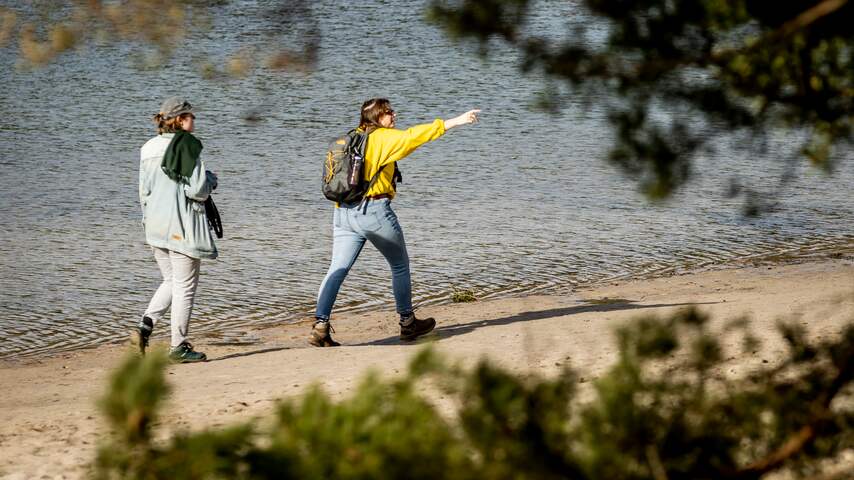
(415, 328)
(320, 336)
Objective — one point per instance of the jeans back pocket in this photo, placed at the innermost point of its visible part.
(370, 221)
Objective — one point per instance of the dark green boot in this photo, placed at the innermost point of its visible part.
(184, 353)
(139, 337)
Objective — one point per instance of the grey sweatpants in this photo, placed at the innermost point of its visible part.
(178, 290)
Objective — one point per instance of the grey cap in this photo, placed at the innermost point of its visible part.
(175, 106)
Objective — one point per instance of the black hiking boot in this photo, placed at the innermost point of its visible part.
(139, 337)
(412, 328)
(320, 336)
(184, 353)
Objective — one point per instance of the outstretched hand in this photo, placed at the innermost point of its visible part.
(464, 119)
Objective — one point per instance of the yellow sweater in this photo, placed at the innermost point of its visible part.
(388, 145)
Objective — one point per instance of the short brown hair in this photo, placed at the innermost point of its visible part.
(372, 110)
(170, 125)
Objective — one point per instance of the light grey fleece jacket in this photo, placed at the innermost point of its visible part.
(173, 214)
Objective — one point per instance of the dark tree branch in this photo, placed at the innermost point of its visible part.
(806, 434)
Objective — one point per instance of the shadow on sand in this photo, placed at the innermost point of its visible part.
(247, 354)
(595, 306)
(608, 305)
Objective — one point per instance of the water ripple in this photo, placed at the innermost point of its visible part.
(520, 203)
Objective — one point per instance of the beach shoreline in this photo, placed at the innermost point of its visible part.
(50, 426)
(256, 333)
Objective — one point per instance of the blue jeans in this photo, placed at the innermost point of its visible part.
(352, 225)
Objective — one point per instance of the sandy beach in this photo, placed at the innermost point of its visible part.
(50, 426)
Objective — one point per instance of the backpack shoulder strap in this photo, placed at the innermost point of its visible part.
(379, 171)
(375, 177)
(396, 176)
(359, 143)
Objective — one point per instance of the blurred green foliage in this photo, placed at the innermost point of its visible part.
(136, 390)
(679, 75)
(42, 30)
(665, 409)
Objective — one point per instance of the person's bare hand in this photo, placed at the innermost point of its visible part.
(464, 119)
(470, 116)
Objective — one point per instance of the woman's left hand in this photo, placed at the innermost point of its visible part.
(212, 179)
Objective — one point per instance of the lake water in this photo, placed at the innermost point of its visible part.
(522, 202)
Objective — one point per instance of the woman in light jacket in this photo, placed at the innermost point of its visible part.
(173, 186)
(375, 221)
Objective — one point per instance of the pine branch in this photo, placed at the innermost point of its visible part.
(810, 16)
(800, 439)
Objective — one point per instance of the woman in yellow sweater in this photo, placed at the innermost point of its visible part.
(375, 221)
